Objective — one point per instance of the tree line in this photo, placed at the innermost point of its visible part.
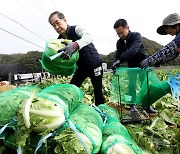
(31, 58)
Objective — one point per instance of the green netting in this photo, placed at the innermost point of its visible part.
(67, 95)
(58, 66)
(114, 128)
(117, 139)
(121, 144)
(55, 68)
(136, 86)
(112, 114)
(157, 89)
(10, 101)
(88, 122)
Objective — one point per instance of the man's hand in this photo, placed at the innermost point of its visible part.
(69, 50)
(144, 64)
(157, 65)
(116, 64)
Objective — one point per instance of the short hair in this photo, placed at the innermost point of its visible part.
(59, 14)
(120, 23)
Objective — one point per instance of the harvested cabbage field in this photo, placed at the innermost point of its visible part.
(55, 117)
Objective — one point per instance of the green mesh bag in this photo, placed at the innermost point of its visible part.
(9, 105)
(157, 89)
(116, 138)
(58, 66)
(136, 86)
(120, 144)
(112, 114)
(67, 95)
(54, 68)
(10, 101)
(49, 100)
(46, 111)
(89, 127)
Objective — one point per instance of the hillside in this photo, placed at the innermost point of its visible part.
(31, 58)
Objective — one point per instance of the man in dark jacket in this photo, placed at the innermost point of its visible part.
(130, 49)
(89, 63)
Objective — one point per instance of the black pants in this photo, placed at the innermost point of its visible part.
(96, 79)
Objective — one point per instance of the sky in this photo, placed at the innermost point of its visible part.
(28, 19)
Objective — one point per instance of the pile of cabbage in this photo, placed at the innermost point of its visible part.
(54, 120)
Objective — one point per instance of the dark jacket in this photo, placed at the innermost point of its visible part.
(88, 55)
(131, 50)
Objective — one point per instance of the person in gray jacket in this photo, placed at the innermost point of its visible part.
(170, 25)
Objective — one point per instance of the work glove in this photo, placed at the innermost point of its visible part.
(144, 64)
(69, 50)
(115, 65)
(63, 49)
(157, 65)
